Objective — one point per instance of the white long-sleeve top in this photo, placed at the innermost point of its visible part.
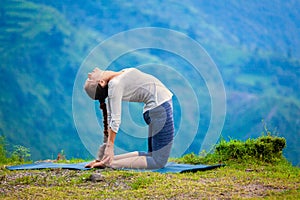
(134, 86)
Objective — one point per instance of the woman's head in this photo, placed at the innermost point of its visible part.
(93, 88)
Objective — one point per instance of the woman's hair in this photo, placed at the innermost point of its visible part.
(101, 95)
(96, 92)
(104, 112)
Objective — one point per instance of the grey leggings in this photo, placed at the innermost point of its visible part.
(161, 133)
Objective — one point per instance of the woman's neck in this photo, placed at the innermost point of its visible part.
(112, 74)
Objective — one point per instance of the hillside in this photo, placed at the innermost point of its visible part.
(43, 44)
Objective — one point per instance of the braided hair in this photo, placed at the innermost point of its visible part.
(101, 95)
(105, 123)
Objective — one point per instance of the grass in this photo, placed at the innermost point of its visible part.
(253, 178)
(233, 181)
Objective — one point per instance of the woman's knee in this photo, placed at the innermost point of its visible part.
(153, 163)
(161, 163)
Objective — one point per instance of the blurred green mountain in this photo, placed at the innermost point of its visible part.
(42, 44)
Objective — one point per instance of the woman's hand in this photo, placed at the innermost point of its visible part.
(109, 150)
(91, 164)
(108, 155)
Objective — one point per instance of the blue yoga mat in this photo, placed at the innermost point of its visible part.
(170, 167)
(49, 165)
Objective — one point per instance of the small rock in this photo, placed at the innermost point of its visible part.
(96, 177)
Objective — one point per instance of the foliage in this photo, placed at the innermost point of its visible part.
(3, 153)
(19, 153)
(61, 156)
(265, 149)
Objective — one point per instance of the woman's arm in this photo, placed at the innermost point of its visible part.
(109, 150)
(111, 136)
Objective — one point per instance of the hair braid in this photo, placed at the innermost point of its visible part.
(104, 112)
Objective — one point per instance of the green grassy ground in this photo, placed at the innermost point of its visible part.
(234, 181)
(246, 175)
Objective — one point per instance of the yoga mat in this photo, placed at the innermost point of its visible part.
(170, 167)
(49, 165)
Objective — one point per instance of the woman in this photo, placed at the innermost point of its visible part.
(134, 86)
